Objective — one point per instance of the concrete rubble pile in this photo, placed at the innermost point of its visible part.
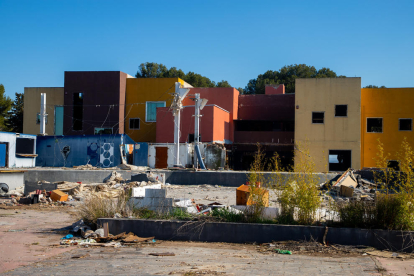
(70, 192)
(350, 187)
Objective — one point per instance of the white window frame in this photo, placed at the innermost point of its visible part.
(366, 126)
(346, 111)
(129, 123)
(146, 109)
(323, 117)
(399, 124)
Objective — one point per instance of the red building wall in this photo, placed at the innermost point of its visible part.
(214, 124)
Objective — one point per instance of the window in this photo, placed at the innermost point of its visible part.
(25, 146)
(339, 160)
(341, 110)
(191, 138)
(406, 124)
(77, 120)
(38, 118)
(103, 130)
(374, 125)
(134, 123)
(151, 111)
(317, 117)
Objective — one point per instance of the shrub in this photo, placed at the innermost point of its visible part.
(393, 208)
(96, 206)
(299, 199)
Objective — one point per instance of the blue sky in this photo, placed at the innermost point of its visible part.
(223, 40)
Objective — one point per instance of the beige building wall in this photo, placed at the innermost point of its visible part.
(336, 133)
(54, 96)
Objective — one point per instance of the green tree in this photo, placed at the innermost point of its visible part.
(152, 70)
(155, 70)
(287, 75)
(5, 105)
(223, 83)
(14, 121)
(374, 86)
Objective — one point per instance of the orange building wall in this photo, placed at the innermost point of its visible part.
(214, 124)
(390, 104)
(224, 97)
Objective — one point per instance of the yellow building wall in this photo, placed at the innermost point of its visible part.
(336, 133)
(391, 104)
(54, 97)
(138, 92)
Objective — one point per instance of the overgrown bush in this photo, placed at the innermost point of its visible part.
(393, 208)
(257, 181)
(96, 206)
(299, 199)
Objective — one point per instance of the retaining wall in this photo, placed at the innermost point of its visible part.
(260, 233)
(228, 178)
(221, 178)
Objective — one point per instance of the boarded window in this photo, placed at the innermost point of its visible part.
(77, 119)
(341, 110)
(374, 124)
(339, 160)
(406, 124)
(151, 112)
(134, 123)
(318, 117)
(25, 146)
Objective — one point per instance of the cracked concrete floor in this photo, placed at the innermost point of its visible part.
(194, 259)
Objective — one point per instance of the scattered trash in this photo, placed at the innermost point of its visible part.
(68, 236)
(80, 225)
(162, 254)
(280, 251)
(80, 256)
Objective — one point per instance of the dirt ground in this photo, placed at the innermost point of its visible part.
(30, 237)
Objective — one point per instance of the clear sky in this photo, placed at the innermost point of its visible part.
(222, 40)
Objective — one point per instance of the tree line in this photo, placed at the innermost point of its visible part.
(11, 112)
(286, 75)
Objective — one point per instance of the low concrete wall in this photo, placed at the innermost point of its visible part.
(13, 179)
(260, 233)
(227, 178)
(221, 178)
(84, 176)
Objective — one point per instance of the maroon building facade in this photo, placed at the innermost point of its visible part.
(94, 102)
(268, 119)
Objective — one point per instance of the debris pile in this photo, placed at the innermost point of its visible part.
(350, 187)
(101, 237)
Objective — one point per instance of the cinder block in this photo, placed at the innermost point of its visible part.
(137, 202)
(140, 191)
(156, 193)
(157, 202)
